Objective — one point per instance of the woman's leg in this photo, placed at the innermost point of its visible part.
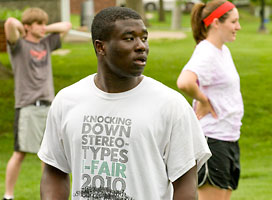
(209, 192)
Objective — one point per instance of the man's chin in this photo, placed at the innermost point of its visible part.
(40, 36)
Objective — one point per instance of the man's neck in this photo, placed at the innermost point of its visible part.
(116, 85)
(31, 38)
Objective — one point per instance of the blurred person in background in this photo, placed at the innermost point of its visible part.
(30, 43)
(211, 79)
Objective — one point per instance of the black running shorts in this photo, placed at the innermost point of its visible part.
(223, 168)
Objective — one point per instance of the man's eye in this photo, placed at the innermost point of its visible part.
(129, 39)
(144, 39)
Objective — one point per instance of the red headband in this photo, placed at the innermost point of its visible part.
(218, 12)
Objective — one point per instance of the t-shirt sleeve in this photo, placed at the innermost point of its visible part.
(187, 146)
(13, 48)
(54, 41)
(201, 63)
(52, 150)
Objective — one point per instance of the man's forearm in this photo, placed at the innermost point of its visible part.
(13, 29)
(55, 184)
(185, 188)
(59, 27)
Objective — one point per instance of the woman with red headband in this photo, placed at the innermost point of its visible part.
(211, 79)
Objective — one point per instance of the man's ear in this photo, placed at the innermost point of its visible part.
(99, 47)
(26, 27)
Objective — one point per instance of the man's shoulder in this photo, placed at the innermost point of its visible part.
(50, 35)
(77, 85)
(162, 91)
(55, 37)
(157, 85)
(169, 101)
(15, 43)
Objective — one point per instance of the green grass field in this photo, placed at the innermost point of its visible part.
(252, 53)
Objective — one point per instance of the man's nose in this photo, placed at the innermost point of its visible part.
(140, 44)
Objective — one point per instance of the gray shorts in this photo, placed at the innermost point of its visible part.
(29, 128)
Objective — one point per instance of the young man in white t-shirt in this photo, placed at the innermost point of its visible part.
(121, 134)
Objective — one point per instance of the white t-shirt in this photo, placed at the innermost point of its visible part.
(220, 82)
(129, 144)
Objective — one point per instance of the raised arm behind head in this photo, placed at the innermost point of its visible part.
(14, 29)
(59, 27)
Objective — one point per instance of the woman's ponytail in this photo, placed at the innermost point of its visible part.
(198, 26)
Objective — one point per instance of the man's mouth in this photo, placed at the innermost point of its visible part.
(140, 60)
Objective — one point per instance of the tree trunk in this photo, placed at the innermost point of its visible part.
(138, 6)
(161, 12)
(262, 27)
(176, 15)
(3, 42)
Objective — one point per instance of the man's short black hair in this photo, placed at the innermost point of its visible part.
(103, 22)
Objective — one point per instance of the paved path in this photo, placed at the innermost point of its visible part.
(166, 34)
(76, 36)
